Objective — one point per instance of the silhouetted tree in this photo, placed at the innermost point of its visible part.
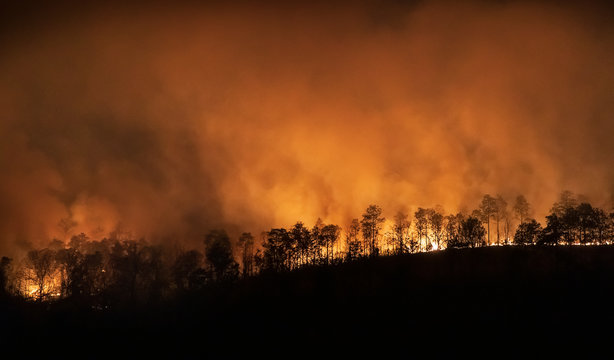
(246, 242)
(83, 275)
(580, 223)
(527, 232)
(96, 276)
(5, 270)
(587, 222)
(125, 265)
(304, 242)
(184, 268)
(40, 266)
(452, 228)
(275, 256)
(330, 235)
(259, 263)
(436, 223)
(500, 211)
(507, 226)
(154, 277)
(291, 251)
(552, 233)
(390, 240)
(488, 207)
(414, 242)
(570, 220)
(317, 241)
(401, 230)
(79, 242)
(567, 200)
(352, 240)
(371, 225)
(218, 252)
(471, 232)
(70, 264)
(609, 232)
(421, 224)
(602, 226)
(521, 208)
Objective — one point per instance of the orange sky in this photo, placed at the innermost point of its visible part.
(174, 120)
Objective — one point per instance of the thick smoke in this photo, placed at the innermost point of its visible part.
(168, 121)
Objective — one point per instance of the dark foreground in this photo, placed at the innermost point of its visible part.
(510, 299)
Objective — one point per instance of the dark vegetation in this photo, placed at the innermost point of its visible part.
(298, 289)
(495, 296)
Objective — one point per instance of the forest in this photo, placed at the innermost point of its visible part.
(432, 281)
(186, 179)
(119, 270)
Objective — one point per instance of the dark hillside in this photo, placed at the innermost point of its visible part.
(496, 295)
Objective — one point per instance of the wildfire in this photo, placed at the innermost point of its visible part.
(51, 288)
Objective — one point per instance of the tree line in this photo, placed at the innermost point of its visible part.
(119, 269)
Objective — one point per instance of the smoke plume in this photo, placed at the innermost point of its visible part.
(172, 120)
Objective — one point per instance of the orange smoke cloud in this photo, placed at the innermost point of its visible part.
(172, 121)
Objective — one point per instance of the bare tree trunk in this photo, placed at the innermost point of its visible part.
(498, 230)
(488, 224)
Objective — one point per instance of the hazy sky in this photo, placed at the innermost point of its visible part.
(172, 120)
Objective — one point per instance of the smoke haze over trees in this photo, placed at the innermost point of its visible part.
(168, 121)
(121, 269)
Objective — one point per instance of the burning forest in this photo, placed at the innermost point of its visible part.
(378, 164)
(120, 268)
